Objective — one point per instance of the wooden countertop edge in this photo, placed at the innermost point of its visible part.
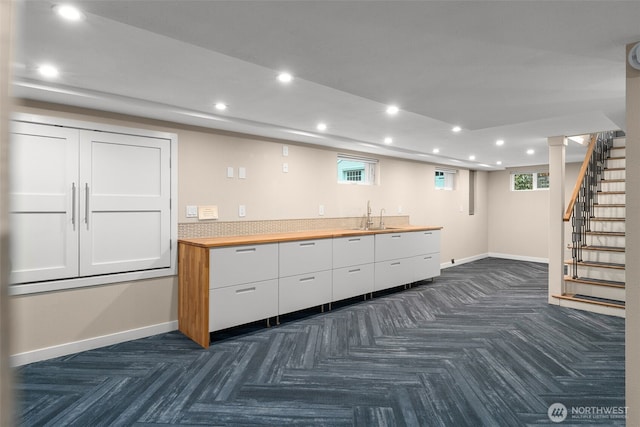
(211, 242)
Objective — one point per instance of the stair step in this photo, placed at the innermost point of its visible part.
(613, 180)
(603, 248)
(595, 282)
(609, 205)
(602, 264)
(592, 300)
(614, 169)
(605, 233)
(605, 218)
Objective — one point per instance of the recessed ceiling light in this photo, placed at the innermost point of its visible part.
(221, 106)
(500, 142)
(388, 140)
(284, 77)
(69, 12)
(499, 162)
(436, 150)
(530, 151)
(472, 157)
(49, 71)
(392, 109)
(456, 129)
(321, 126)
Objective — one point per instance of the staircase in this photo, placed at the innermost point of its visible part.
(595, 279)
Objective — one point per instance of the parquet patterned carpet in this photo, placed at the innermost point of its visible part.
(480, 346)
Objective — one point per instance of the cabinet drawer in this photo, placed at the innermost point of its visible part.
(303, 291)
(426, 242)
(233, 265)
(393, 246)
(353, 250)
(304, 256)
(389, 274)
(426, 266)
(236, 305)
(352, 281)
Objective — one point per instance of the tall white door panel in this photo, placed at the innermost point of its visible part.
(124, 203)
(43, 202)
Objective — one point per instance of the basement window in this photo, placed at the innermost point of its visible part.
(445, 179)
(529, 181)
(358, 170)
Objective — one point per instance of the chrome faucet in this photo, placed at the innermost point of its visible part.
(369, 220)
(382, 211)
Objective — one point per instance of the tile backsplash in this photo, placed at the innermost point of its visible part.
(189, 230)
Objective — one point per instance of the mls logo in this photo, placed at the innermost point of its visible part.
(557, 412)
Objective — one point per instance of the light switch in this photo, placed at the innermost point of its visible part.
(230, 172)
(208, 212)
(285, 151)
(242, 211)
(285, 167)
(242, 172)
(192, 211)
(321, 210)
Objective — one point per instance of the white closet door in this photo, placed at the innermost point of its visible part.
(124, 203)
(43, 202)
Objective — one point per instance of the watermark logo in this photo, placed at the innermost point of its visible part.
(557, 412)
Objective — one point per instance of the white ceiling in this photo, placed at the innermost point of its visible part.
(520, 71)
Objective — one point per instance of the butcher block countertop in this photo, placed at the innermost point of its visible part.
(212, 242)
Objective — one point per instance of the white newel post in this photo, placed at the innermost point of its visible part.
(556, 224)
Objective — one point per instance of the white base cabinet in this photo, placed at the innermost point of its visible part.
(255, 282)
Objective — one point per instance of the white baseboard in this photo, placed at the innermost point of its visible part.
(519, 257)
(463, 261)
(90, 343)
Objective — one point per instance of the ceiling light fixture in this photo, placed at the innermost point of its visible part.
(285, 77)
(436, 150)
(472, 157)
(321, 127)
(499, 162)
(392, 110)
(456, 129)
(530, 151)
(500, 142)
(221, 106)
(69, 12)
(48, 71)
(388, 140)
(577, 138)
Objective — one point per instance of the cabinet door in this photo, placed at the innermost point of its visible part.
(352, 281)
(43, 202)
(125, 201)
(353, 250)
(427, 242)
(303, 291)
(236, 305)
(426, 266)
(389, 274)
(234, 265)
(393, 246)
(305, 256)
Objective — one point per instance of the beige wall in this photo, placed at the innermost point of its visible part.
(55, 318)
(518, 220)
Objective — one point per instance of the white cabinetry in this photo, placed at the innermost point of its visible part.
(403, 258)
(243, 282)
(353, 270)
(305, 274)
(85, 203)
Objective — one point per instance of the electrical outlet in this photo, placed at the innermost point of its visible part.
(285, 151)
(285, 167)
(242, 211)
(321, 210)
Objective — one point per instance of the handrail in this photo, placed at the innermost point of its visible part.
(583, 171)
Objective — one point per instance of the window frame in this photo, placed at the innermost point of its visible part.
(369, 170)
(449, 179)
(534, 180)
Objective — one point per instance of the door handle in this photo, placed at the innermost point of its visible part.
(86, 204)
(73, 205)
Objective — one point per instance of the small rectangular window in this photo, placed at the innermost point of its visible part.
(445, 179)
(359, 170)
(528, 181)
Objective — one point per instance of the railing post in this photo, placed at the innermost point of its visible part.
(556, 212)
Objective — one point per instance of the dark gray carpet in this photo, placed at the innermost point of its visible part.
(478, 347)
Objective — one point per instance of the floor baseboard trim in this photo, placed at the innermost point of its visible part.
(90, 343)
(519, 257)
(463, 261)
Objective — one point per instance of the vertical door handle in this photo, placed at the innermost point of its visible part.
(73, 205)
(86, 204)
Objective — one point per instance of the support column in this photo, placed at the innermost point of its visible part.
(556, 212)
(632, 255)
